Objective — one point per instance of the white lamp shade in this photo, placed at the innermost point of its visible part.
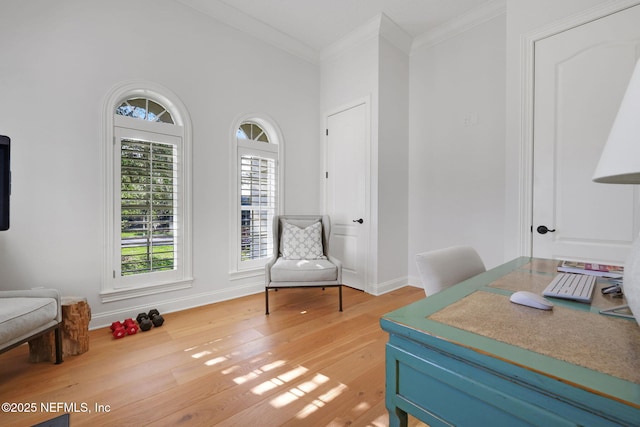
(620, 159)
(620, 164)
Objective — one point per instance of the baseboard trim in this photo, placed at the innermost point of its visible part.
(177, 304)
(192, 301)
(388, 286)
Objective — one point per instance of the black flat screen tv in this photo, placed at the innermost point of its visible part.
(5, 181)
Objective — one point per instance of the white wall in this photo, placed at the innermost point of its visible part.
(349, 75)
(393, 164)
(60, 59)
(464, 181)
(456, 144)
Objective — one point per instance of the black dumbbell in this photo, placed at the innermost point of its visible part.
(156, 318)
(144, 322)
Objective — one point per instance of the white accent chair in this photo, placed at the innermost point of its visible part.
(289, 269)
(442, 268)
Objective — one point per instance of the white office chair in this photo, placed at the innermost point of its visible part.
(442, 268)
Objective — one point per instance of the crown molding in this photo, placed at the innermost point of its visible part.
(392, 32)
(596, 12)
(232, 17)
(487, 11)
(355, 38)
(380, 26)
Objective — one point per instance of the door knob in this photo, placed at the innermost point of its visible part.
(359, 221)
(542, 229)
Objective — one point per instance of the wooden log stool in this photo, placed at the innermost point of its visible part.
(76, 315)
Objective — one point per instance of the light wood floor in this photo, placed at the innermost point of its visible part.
(225, 364)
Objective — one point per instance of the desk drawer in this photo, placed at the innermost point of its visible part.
(446, 389)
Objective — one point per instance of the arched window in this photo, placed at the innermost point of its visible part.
(148, 232)
(252, 132)
(257, 192)
(145, 109)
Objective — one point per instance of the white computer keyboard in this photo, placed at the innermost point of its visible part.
(577, 287)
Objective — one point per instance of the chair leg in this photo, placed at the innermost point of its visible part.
(340, 296)
(266, 300)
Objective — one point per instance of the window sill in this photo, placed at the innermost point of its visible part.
(140, 291)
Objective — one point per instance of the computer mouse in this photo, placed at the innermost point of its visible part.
(531, 300)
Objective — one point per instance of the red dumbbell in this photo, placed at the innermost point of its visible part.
(115, 325)
(118, 330)
(130, 326)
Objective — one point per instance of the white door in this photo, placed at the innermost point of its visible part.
(580, 77)
(346, 189)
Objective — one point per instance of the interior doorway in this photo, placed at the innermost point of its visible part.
(580, 76)
(347, 189)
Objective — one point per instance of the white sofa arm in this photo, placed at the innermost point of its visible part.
(36, 293)
(267, 270)
(338, 264)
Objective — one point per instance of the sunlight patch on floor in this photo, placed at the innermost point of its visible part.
(221, 359)
(230, 370)
(293, 374)
(381, 421)
(216, 360)
(274, 382)
(247, 377)
(266, 386)
(361, 407)
(321, 401)
(309, 386)
(251, 375)
(201, 354)
(270, 366)
(195, 347)
(299, 391)
(283, 400)
(333, 393)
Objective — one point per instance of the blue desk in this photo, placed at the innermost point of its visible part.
(467, 356)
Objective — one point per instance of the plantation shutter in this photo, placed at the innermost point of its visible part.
(257, 206)
(149, 206)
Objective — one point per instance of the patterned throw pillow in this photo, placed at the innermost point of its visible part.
(302, 243)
